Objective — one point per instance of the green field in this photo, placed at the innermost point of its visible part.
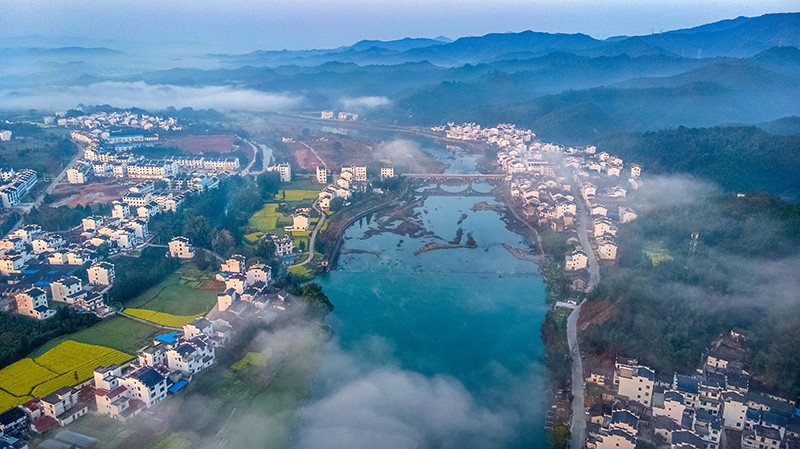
(161, 318)
(46, 154)
(182, 293)
(120, 333)
(269, 220)
(66, 364)
(297, 195)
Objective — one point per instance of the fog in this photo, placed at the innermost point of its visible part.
(364, 103)
(148, 96)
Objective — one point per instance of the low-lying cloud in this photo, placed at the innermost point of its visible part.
(362, 103)
(148, 96)
(364, 404)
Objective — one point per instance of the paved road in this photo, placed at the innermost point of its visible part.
(255, 156)
(583, 234)
(578, 425)
(313, 238)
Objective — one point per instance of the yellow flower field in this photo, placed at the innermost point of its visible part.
(67, 364)
(161, 318)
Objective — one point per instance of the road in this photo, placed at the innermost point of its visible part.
(578, 425)
(253, 161)
(38, 201)
(321, 161)
(583, 234)
(313, 238)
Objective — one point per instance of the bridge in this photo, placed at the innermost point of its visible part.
(459, 178)
(467, 177)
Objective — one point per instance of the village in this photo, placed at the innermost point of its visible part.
(41, 271)
(631, 405)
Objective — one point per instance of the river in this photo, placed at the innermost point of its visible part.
(438, 349)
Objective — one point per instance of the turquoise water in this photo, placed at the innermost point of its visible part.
(461, 326)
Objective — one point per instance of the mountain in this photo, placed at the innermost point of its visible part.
(740, 37)
(404, 44)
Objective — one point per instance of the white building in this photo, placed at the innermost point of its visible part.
(322, 174)
(578, 260)
(33, 303)
(181, 248)
(284, 169)
(234, 264)
(101, 273)
(634, 382)
(300, 221)
(66, 289)
(387, 172)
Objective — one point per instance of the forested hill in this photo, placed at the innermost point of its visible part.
(737, 158)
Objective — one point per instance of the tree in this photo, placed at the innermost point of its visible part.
(223, 243)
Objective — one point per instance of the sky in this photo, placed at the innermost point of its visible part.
(246, 25)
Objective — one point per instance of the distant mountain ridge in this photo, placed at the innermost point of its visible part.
(739, 37)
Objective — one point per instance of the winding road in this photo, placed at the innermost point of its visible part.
(313, 237)
(578, 425)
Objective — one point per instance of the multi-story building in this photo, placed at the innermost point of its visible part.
(634, 382)
(33, 303)
(101, 273)
(17, 187)
(181, 248)
(322, 174)
(284, 170)
(66, 289)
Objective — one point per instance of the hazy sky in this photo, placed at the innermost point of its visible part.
(243, 25)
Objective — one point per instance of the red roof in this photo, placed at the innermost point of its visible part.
(33, 404)
(43, 424)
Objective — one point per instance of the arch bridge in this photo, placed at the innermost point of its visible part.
(458, 178)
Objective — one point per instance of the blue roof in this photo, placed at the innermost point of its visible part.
(41, 283)
(176, 387)
(52, 272)
(30, 271)
(171, 337)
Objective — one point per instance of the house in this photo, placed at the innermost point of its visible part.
(147, 385)
(153, 355)
(686, 439)
(672, 407)
(47, 242)
(664, 427)
(116, 403)
(634, 382)
(761, 437)
(236, 282)
(258, 274)
(33, 303)
(66, 289)
(322, 174)
(606, 248)
(284, 246)
(284, 170)
(198, 328)
(181, 248)
(301, 220)
(101, 273)
(580, 280)
(616, 439)
(234, 264)
(576, 261)
(13, 422)
(120, 210)
(387, 172)
(226, 299)
(191, 356)
(63, 406)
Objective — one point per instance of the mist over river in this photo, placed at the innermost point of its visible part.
(436, 349)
